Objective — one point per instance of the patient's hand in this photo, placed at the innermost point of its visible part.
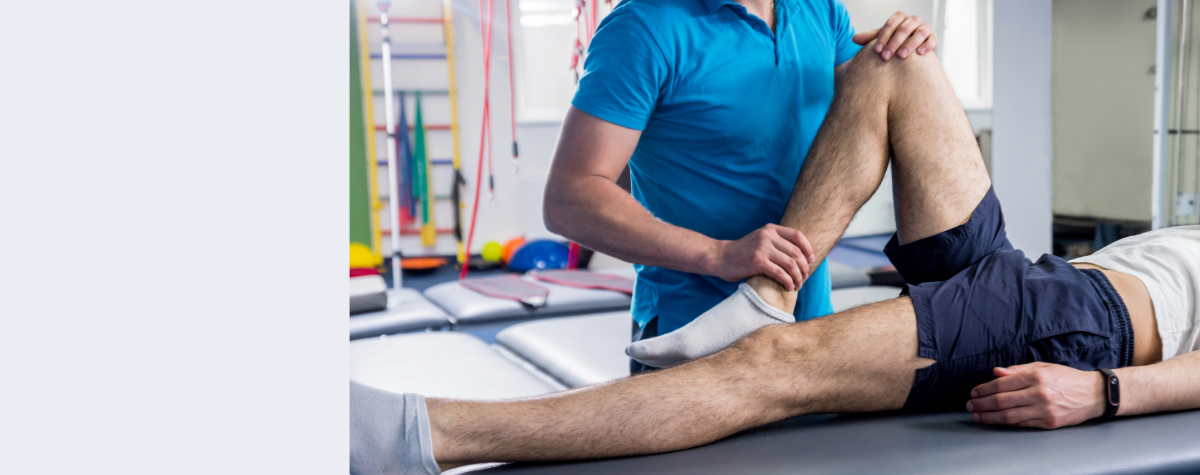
(1041, 395)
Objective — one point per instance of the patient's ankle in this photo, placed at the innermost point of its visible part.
(443, 452)
(772, 293)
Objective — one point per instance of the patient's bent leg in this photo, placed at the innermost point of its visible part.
(863, 359)
(903, 108)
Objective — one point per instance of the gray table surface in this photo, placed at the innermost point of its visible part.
(925, 444)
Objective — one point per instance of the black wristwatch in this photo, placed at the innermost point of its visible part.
(1112, 393)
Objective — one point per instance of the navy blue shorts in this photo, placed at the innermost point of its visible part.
(981, 304)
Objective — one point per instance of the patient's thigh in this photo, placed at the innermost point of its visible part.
(860, 360)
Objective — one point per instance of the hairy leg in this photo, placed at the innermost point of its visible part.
(863, 359)
(905, 109)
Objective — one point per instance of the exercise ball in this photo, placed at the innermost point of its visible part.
(361, 257)
(492, 252)
(540, 254)
(511, 247)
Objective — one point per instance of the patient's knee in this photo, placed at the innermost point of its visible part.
(780, 344)
(869, 65)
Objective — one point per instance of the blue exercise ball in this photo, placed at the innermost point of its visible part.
(539, 254)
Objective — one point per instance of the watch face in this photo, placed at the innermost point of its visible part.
(1114, 393)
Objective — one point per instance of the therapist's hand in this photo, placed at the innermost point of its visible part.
(901, 35)
(1040, 395)
(778, 252)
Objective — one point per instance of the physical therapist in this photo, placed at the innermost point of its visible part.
(713, 105)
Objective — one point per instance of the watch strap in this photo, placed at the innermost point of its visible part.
(1112, 393)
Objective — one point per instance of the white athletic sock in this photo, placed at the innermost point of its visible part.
(389, 433)
(733, 318)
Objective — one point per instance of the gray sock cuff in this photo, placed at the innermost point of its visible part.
(389, 433)
(416, 418)
(764, 306)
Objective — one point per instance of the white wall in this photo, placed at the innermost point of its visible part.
(497, 221)
(1022, 122)
(1103, 108)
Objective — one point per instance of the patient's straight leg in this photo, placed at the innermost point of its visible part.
(860, 360)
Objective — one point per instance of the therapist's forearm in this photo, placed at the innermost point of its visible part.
(597, 213)
(1171, 385)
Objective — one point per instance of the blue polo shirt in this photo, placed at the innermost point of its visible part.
(727, 111)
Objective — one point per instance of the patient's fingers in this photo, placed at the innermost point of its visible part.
(1008, 383)
(1018, 368)
(1003, 400)
(1014, 416)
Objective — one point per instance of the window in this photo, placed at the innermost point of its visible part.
(544, 77)
(966, 50)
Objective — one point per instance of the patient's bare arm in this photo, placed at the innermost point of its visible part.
(1049, 396)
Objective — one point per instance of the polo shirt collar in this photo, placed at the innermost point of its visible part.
(714, 5)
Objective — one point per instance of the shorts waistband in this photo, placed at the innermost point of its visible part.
(1117, 309)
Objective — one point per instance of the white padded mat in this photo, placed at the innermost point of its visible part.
(845, 299)
(590, 349)
(468, 306)
(575, 350)
(843, 276)
(407, 310)
(367, 293)
(440, 364)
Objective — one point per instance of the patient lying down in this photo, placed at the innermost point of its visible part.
(980, 327)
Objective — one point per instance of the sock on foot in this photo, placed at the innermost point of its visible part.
(733, 318)
(389, 433)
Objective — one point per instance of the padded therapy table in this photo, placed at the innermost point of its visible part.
(941, 443)
(406, 310)
(468, 307)
(590, 349)
(442, 364)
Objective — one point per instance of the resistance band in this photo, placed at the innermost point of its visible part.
(408, 201)
(485, 26)
(487, 89)
(512, 90)
(509, 287)
(585, 280)
(423, 179)
(585, 29)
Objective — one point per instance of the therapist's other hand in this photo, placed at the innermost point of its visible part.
(901, 35)
(778, 252)
(1039, 395)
